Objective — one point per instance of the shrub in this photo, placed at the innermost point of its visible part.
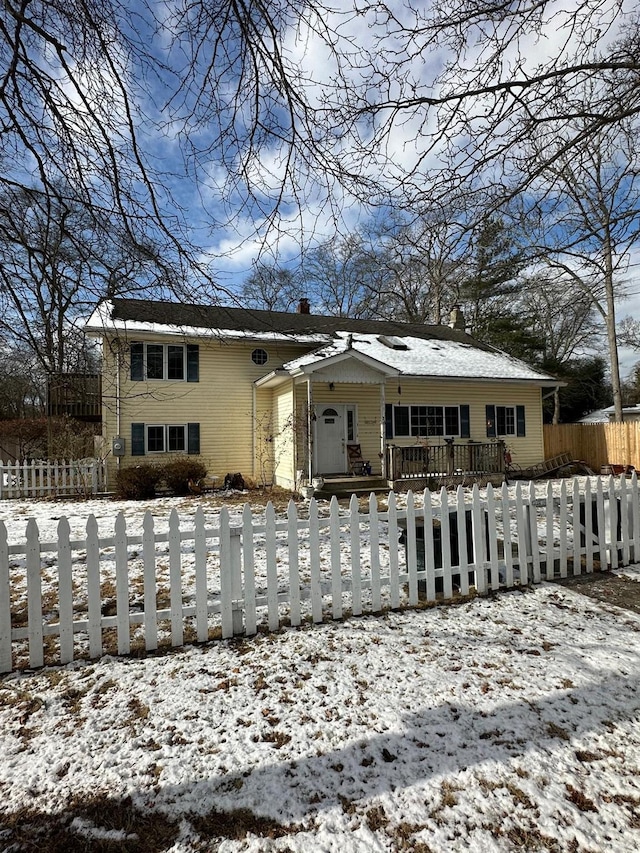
(138, 483)
(183, 475)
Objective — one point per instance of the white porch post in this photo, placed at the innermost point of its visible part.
(383, 449)
(310, 428)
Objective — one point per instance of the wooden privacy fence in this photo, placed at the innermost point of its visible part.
(112, 594)
(37, 479)
(595, 444)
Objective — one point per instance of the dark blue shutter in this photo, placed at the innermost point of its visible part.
(520, 425)
(193, 363)
(388, 420)
(193, 438)
(491, 421)
(137, 362)
(465, 423)
(137, 439)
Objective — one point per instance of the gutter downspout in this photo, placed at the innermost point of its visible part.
(309, 428)
(254, 425)
(383, 449)
(118, 412)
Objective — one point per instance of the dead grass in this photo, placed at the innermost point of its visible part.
(238, 823)
(580, 800)
(143, 831)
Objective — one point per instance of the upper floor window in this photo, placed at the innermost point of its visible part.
(175, 362)
(259, 356)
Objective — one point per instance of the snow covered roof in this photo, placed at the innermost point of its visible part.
(407, 349)
(420, 357)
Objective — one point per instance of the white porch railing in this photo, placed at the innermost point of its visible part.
(197, 581)
(38, 479)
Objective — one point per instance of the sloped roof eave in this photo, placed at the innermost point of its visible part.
(323, 362)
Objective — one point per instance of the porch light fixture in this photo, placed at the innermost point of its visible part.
(332, 386)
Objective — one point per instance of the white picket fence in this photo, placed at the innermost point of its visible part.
(42, 478)
(113, 594)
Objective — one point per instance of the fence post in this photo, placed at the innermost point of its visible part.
(494, 580)
(149, 570)
(314, 561)
(226, 592)
(635, 517)
(478, 542)
(394, 582)
(5, 603)
(235, 554)
(34, 595)
(93, 588)
(374, 543)
(336, 572)
(294, 568)
(65, 592)
(356, 579)
(122, 585)
(248, 566)
(272, 567)
(200, 553)
(412, 549)
(175, 579)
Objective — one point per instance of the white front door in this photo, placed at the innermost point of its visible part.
(331, 440)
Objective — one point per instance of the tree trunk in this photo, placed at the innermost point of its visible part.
(612, 337)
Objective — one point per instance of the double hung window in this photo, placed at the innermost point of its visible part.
(164, 438)
(427, 421)
(504, 421)
(175, 362)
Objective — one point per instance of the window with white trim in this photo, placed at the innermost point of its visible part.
(165, 438)
(506, 420)
(174, 362)
(426, 421)
(503, 421)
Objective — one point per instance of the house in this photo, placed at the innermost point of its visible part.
(275, 395)
(630, 414)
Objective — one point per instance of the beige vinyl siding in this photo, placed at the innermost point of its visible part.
(222, 402)
(366, 398)
(284, 436)
(478, 395)
(233, 414)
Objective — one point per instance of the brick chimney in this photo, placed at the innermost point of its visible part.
(303, 306)
(456, 319)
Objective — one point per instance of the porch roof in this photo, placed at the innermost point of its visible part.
(364, 368)
(412, 357)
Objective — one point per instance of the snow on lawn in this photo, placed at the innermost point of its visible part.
(506, 723)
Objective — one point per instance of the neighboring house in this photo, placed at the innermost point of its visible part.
(630, 414)
(270, 394)
(598, 416)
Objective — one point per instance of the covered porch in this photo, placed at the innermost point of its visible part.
(423, 466)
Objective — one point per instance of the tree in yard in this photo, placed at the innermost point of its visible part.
(22, 387)
(561, 317)
(458, 89)
(345, 276)
(56, 260)
(589, 206)
(586, 389)
(419, 261)
(271, 288)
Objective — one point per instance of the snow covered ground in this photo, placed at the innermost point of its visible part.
(507, 723)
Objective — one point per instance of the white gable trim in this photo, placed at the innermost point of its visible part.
(322, 364)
